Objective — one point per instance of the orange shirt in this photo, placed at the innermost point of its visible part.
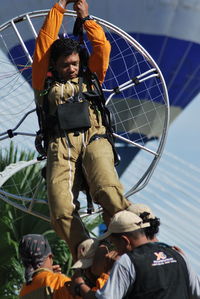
(56, 282)
(101, 281)
(98, 61)
(44, 278)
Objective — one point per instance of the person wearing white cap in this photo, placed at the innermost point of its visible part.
(145, 269)
(85, 253)
(95, 262)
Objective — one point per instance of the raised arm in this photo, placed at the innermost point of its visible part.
(99, 59)
(47, 35)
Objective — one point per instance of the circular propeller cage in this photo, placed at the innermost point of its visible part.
(136, 96)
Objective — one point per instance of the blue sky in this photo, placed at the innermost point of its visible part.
(184, 136)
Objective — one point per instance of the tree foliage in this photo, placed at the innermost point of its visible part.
(15, 223)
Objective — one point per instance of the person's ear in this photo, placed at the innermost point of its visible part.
(51, 257)
(126, 243)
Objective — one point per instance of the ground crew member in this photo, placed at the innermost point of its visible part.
(145, 269)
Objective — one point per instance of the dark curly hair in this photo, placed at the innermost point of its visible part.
(64, 46)
(153, 229)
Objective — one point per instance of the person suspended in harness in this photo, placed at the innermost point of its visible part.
(78, 146)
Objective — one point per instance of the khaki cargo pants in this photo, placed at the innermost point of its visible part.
(67, 158)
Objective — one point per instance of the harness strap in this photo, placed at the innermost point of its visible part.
(96, 136)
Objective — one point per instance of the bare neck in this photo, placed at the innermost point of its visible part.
(154, 239)
(140, 241)
(47, 264)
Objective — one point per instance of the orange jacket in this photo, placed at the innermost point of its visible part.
(56, 282)
(47, 278)
(98, 61)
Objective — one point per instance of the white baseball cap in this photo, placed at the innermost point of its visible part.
(86, 252)
(123, 222)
